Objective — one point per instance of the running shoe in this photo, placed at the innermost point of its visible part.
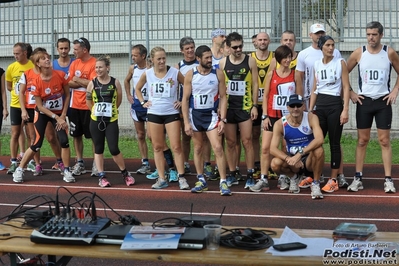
(18, 175)
(215, 175)
(12, 168)
(199, 187)
(154, 175)
(239, 176)
(55, 166)
(283, 182)
(161, 183)
(389, 187)
(208, 170)
(356, 185)
(249, 183)
(342, 181)
(68, 177)
(173, 175)
(256, 174)
(2, 166)
(331, 186)
(187, 169)
(321, 180)
(183, 185)
(94, 170)
(306, 182)
(144, 169)
(103, 182)
(129, 180)
(231, 180)
(272, 175)
(294, 188)
(79, 169)
(315, 191)
(224, 189)
(31, 167)
(38, 170)
(261, 184)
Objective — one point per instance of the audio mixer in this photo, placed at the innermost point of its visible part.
(69, 231)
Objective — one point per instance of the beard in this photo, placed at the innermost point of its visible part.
(206, 65)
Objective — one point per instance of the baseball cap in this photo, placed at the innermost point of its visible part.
(83, 41)
(316, 28)
(217, 32)
(295, 99)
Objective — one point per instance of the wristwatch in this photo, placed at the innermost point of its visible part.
(224, 120)
(142, 103)
(300, 150)
(53, 116)
(264, 117)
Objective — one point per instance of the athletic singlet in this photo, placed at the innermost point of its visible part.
(13, 74)
(374, 73)
(296, 137)
(239, 84)
(28, 78)
(184, 67)
(162, 91)
(85, 70)
(215, 61)
(57, 66)
(263, 68)
(136, 105)
(292, 64)
(51, 91)
(328, 77)
(205, 91)
(279, 92)
(104, 101)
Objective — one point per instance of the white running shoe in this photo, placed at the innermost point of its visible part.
(315, 191)
(356, 185)
(18, 175)
(389, 187)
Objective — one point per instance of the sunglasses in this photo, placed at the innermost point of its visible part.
(82, 42)
(297, 105)
(236, 47)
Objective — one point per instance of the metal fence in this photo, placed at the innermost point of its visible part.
(113, 26)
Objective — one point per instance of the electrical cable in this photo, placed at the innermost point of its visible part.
(247, 238)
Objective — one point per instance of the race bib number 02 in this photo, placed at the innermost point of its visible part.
(103, 109)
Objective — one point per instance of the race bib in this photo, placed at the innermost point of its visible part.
(280, 102)
(326, 75)
(236, 87)
(160, 90)
(54, 104)
(374, 76)
(31, 99)
(144, 92)
(202, 101)
(261, 91)
(102, 109)
(16, 88)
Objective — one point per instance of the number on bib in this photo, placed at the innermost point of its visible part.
(374, 76)
(54, 104)
(102, 109)
(236, 87)
(160, 90)
(202, 101)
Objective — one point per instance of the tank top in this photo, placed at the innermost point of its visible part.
(296, 137)
(104, 101)
(239, 84)
(328, 77)
(279, 92)
(263, 68)
(205, 91)
(136, 105)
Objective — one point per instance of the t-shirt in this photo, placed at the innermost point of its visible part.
(13, 74)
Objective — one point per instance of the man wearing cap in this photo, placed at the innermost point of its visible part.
(304, 151)
(374, 99)
(218, 36)
(81, 72)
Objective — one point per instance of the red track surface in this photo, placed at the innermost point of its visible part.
(274, 208)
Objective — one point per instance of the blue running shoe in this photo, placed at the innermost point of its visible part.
(208, 170)
(199, 187)
(224, 189)
(173, 176)
(2, 166)
(154, 175)
(231, 180)
(161, 183)
(250, 182)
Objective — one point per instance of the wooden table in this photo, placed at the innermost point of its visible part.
(221, 256)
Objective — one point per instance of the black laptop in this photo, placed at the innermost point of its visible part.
(193, 238)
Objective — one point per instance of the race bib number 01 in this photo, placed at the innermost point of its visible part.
(202, 101)
(160, 90)
(103, 109)
(236, 87)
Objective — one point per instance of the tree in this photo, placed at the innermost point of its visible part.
(331, 12)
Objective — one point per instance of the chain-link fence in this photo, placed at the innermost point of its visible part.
(114, 26)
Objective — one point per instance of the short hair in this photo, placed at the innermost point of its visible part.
(141, 48)
(25, 47)
(186, 40)
(234, 36)
(288, 32)
(199, 52)
(156, 49)
(63, 40)
(254, 36)
(375, 25)
(83, 42)
(282, 52)
(105, 58)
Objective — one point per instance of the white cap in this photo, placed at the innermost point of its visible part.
(316, 28)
